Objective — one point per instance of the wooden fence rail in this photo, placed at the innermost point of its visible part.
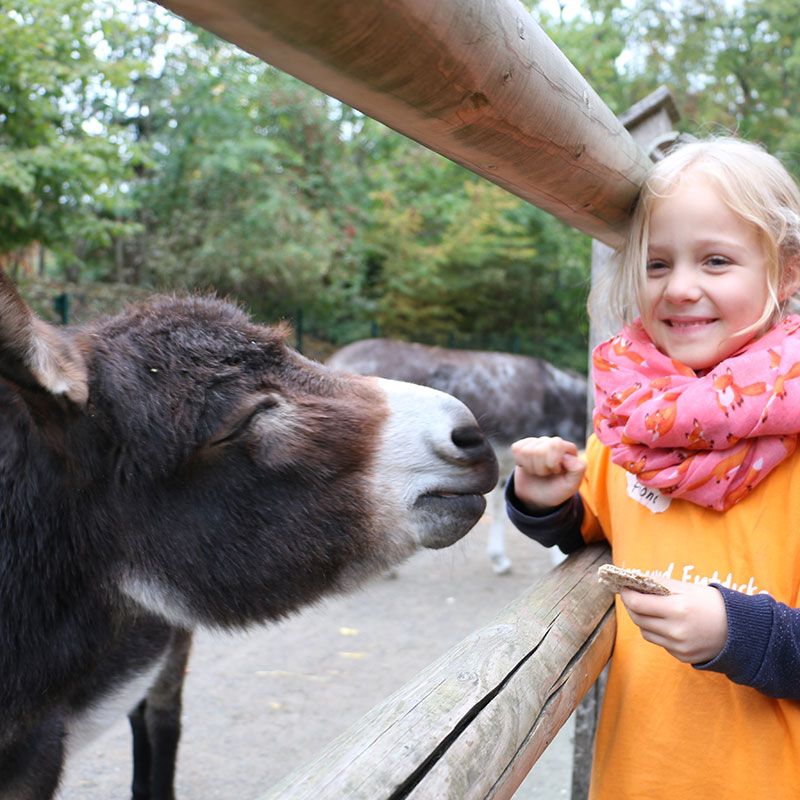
(476, 80)
(473, 723)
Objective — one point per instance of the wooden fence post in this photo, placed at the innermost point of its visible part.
(650, 122)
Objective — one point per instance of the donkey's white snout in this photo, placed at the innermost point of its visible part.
(438, 440)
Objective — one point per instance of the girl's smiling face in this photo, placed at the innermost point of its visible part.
(706, 284)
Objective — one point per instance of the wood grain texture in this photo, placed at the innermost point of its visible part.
(473, 723)
(475, 80)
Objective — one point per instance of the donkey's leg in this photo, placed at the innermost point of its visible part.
(496, 543)
(156, 726)
(142, 758)
(30, 765)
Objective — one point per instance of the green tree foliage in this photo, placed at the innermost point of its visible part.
(733, 67)
(261, 187)
(136, 147)
(252, 186)
(472, 264)
(59, 179)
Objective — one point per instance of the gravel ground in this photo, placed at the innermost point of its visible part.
(260, 704)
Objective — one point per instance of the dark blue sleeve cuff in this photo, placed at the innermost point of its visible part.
(559, 526)
(763, 645)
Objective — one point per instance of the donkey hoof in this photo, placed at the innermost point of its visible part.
(501, 564)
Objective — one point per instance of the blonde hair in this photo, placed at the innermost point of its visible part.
(753, 184)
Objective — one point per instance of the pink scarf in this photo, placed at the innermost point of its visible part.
(708, 439)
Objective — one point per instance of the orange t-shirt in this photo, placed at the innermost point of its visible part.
(667, 730)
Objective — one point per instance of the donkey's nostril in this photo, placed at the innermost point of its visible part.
(467, 436)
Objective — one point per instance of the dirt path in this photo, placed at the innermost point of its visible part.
(260, 704)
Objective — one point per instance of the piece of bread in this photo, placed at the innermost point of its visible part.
(617, 578)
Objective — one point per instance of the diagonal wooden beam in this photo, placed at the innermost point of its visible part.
(475, 80)
(472, 724)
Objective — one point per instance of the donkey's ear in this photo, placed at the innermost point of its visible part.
(36, 355)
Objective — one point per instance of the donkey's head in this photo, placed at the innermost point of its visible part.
(184, 458)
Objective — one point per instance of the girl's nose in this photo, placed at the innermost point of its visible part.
(683, 285)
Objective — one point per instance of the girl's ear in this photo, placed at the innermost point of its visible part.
(790, 278)
(35, 355)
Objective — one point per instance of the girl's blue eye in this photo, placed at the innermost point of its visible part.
(717, 261)
(655, 266)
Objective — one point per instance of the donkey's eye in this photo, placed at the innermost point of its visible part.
(241, 422)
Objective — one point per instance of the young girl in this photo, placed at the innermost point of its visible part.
(693, 477)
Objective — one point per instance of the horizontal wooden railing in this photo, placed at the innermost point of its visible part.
(473, 723)
(475, 80)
